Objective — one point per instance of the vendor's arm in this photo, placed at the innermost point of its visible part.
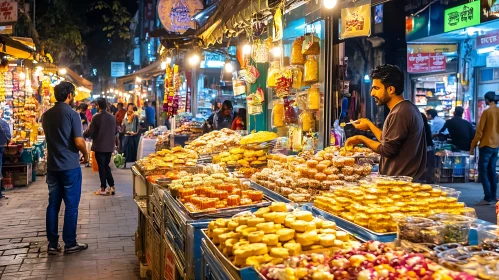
(479, 132)
(365, 124)
(361, 139)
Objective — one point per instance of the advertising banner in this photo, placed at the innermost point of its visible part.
(356, 21)
(462, 16)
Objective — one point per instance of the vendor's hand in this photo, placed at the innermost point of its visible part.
(472, 152)
(85, 159)
(362, 124)
(354, 140)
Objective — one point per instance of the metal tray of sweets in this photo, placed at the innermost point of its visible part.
(223, 212)
(273, 195)
(261, 145)
(356, 230)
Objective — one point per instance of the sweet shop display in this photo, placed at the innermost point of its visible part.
(272, 234)
(258, 137)
(372, 260)
(302, 178)
(217, 191)
(215, 142)
(372, 204)
(160, 162)
(242, 157)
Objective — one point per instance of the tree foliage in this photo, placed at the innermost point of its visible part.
(60, 25)
(117, 20)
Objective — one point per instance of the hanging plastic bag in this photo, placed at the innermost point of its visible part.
(260, 52)
(297, 58)
(284, 82)
(278, 114)
(311, 70)
(311, 44)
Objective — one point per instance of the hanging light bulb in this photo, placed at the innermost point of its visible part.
(63, 71)
(329, 4)
(194, 59)
(22, 76)
(168, 60)
(228, 66)
(163, 65)
(138, 80)
(246, 49)
(276, 51)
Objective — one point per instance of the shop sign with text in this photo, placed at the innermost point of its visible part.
(8, 12)
(491, 39)
(426, 62)
(177, 15)
(462, 16)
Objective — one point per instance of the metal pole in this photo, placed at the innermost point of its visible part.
(328, 79)
(34, 13)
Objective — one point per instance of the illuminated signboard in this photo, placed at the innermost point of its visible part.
(462, 16)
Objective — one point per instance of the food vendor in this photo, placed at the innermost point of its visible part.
(402, 143)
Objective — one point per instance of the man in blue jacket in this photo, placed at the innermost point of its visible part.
(4, 140)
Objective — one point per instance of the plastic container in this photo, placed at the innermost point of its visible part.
(488, 234)
(420, 230)
(457, 227)
(471, 260)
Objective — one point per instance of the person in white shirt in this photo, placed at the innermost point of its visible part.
(436, 122)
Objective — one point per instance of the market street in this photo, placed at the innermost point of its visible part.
(106, 223)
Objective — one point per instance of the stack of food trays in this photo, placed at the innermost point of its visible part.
(202, 194)
(215, 142)
(300, 180)
(372, 260)
(159, 163)
(271, 234)
(372, 204)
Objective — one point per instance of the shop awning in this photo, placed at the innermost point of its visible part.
(80, 82)
(145, 73)
(15, 48)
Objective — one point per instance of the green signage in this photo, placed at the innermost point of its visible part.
(462, 16)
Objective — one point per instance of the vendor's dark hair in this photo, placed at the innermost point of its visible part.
(62, 91)
(130, 104)
(491, 97)
(432, 112)
(102, 103)
(83, 106)
(390, 75)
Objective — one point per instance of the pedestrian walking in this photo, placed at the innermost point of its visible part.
(487, 139)
(103, 131)
(131, 126)
(64, 137)
(150, 115)
(120, 115)
(5, 136)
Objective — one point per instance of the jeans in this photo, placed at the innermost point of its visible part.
(1, 175)
(487, 172)
(105, 174)
(63, 185)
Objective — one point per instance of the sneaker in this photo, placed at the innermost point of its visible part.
(76, 248)
(54, 250)
(112, 190)
(483, 202)
(101, 192)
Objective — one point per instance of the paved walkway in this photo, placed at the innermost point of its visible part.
(106, 223)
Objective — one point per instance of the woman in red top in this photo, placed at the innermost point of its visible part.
(239, 122)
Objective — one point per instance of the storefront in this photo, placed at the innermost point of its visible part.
(468, 47)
